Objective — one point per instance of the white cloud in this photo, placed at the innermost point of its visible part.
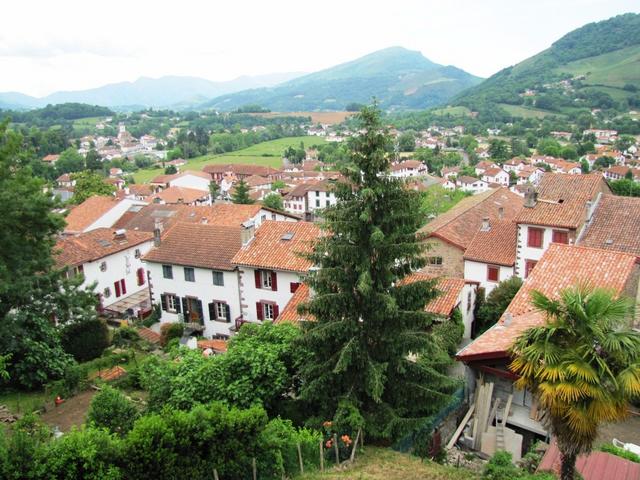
(70, 44)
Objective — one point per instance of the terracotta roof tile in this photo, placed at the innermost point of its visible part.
(219, 346)
(269, 249)
(561, 267)
(496, 246)
(149, 335)
(449, 292)
(95, 244)
(181, 195)
(615, 225)
(83, 215)
(290, 311)
(460, 224)
(197, 245)
(562, 200)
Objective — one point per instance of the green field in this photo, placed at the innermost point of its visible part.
(614, 69)
(268, 154)
(86, 122)
(525, 112)
(453, 111)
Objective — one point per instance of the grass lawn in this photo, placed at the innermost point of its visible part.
(268, 154)
(86, 122)
(453, 111)
(24, 402)
(386, 464)
(526, 112)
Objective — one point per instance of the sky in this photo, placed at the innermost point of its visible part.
(47, 46)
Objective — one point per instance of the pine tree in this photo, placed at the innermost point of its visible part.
(368, 323)
(241, 194)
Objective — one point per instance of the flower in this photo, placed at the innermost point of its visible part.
(345, 438)
(328, 444)
(327, 424)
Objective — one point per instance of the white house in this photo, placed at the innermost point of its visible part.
(272, 268)
(98, 212)
(408, 168)
(471, 184)
(491, 256)
(513, 165)
(296, 200)
(496, 175)
(112, 260)
(320, 195)
(193, 279)
(529, 174)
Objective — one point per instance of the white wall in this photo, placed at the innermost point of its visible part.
(120, 265)
(191, 181)
(203, 289)
(251, 295)
(477, 272)
(525, 252)
(325, 198)
(112, 216)
(295, 205)
(466, 307)
(263, 215)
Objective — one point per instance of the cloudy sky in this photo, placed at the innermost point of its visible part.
(47, 46)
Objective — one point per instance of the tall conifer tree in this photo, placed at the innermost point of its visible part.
(241, 194)
(369, 324)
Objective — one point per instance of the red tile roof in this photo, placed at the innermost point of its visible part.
(496, 246)
(95, 244)
(270, 250)
(197, 245)
(83, 215)
(594, 466)
(562, 200)
(219, 346)
(290, 312)
(180, 195)
(561, 267)
(149, 335)
(460, 225)
(615, 225)
(449, 292)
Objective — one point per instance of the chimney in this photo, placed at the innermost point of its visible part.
(486, 226)
(530, 197)
(120, 234)
(157, 233)
(247, 232)
(500, 213)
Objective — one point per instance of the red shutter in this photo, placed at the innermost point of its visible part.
(259, 310)
(560, 236)
(293, 286)
(528, 266)
(257, 275)
(116, 286)
(140, 273)
(274, 281)
(492, 273)
(124, 286)
(276, 311)
(535, 237)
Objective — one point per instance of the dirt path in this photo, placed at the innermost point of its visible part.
(71, 412)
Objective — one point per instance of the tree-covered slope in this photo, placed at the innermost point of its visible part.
(576, 71)
(397, 77)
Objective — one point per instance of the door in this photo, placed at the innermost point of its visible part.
(195, 310)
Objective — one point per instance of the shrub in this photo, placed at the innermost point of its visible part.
(154, 317)
(620, 452)
(496, 303)
(125, 337)
(500, 467)
(450, 332)
(89, 454)
(169, 331)
(73, 379)
(279, 442)
(85, 340)
(25, 449)
(110, 409)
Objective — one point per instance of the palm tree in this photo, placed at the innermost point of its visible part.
(583, 365)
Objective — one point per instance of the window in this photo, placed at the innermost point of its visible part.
(317, 194)
(106, 292)
(327, 203)
(218, 278)
(535, 237)
(267, 310)
(79, 270)
(528, 266)
(137, 253)
(189, 274)
(273, 216)
(103, 267)
(120, 287)
(434, 260)
(263, 218)
(560, 236)
(318, 202)
(140, 274)
(493, 273)
(266, 279)
(172, 303)
(293, 286)
(167, 271)
(219, 311)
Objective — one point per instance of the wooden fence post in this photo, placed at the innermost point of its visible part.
(335, 448)
(355, 445)
(321, 456)
(300, 459)
(215, 474)
(255, 472)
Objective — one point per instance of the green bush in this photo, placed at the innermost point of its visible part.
(85, 340)
(25, 447)
(279, 443)
(88, 454)
(125, 337)
(110, 409)
(73, 380)
(496, 303)
(620, 452)
(450, 332)
(169, 331)
(500, 467)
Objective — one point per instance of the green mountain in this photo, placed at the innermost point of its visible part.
(595, 66)
(397, 77)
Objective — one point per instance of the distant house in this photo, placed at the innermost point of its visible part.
(65, 181)
(602, 136)
(514, 165)
(408, 168)
(618, 172)
(241, 171)
(529, 174)
(448, 172)
(497, 175)
(191, 179)
(471, 184)
(182, 195)
(483, 165)
(97, 212)
(51, 159)
(111, 259)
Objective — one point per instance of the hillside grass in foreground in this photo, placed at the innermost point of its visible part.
(385, 464)
(268, 154)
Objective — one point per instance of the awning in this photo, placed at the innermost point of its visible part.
(132, 304)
